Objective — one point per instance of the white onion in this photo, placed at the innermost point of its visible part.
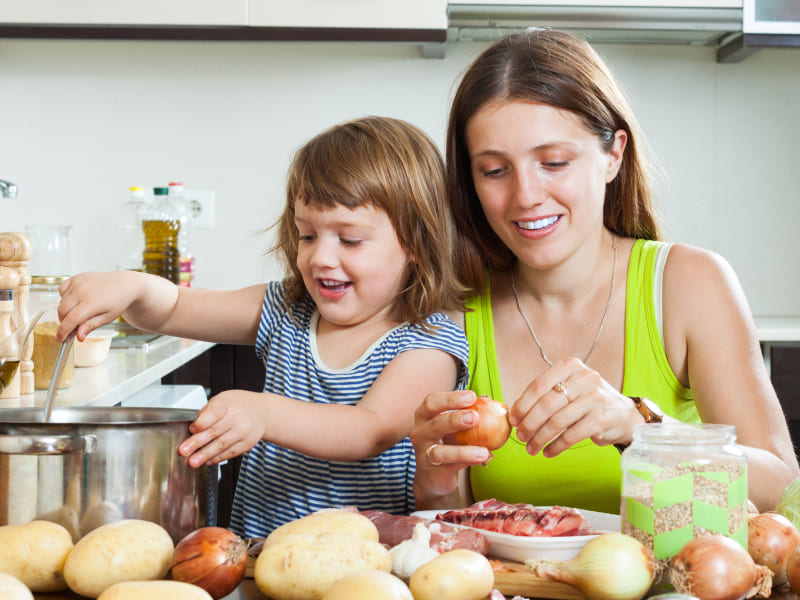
(612, 566)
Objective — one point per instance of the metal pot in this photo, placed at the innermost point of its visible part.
(93, 465)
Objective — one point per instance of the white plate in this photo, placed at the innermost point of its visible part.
(521, 548)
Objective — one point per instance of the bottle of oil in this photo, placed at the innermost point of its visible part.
(161, 225)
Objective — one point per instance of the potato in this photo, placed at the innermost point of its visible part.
(127, 550)
(369, 585)
(303, 566)
(154, 590)
(12, 588)
(328, 521)
(454, 575)
(35, 554)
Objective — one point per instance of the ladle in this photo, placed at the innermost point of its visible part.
(55, 379)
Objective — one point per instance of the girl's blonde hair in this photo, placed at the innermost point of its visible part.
(392, 165)
(561, 70)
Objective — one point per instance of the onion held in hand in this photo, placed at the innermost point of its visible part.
(492, 429)
(770, 539)
(715, 567)
(212, 558)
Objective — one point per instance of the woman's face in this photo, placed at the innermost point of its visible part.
(540, 176)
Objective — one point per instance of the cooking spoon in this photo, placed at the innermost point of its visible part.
(58, 370)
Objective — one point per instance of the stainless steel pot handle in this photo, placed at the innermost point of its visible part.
(47, 444)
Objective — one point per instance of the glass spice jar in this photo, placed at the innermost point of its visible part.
(44, 296)
(682, 480)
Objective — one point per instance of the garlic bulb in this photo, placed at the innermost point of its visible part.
(411, 554)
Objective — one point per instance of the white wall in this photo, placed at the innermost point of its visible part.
(81, 121)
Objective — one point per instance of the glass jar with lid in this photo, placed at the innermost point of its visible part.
(681, 480)
(44, 296)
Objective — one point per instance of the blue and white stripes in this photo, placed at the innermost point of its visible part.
(276, 484)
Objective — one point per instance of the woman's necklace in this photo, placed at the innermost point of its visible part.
(602, 321)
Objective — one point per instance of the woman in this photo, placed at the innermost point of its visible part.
(578, 311)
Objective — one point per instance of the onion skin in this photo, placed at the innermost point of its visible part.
(715, 567)
(492, 429)
(793, 569)
(770, 539)
(612, 566)
(212, 558)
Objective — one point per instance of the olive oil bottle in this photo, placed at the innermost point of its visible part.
(161, 225)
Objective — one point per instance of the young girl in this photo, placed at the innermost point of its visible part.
(351, 340)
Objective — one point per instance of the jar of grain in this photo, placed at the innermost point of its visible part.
(681, 480)
(44, 296)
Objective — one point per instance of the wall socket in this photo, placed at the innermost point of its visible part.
(203, 209)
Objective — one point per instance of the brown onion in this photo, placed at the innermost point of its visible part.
(715, 567)
(212, 558)
(770, 539)
(793, 569)
(492, 429)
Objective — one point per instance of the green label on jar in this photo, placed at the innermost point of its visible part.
(665, 508)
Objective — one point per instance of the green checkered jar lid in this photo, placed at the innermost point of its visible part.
(681, 480)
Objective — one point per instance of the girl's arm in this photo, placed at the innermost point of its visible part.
(713, 348)
(233, 422)
(152, 303)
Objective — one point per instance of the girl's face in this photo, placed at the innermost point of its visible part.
(540, 176)
(351, 261)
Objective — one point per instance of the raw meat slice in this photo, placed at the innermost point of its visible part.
(520, 519)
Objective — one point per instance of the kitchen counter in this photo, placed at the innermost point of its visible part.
(777, 331)
(124, 373)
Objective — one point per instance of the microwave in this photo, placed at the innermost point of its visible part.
(771, 16)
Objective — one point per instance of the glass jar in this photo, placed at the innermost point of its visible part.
(681, 480)
(44, 296)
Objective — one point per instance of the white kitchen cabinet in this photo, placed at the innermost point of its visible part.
(599, 3)
(350, 14)
(124, 12)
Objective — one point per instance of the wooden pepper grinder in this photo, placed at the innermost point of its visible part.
(15, 252)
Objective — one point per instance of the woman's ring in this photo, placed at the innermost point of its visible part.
(428, 455)
(561, 389)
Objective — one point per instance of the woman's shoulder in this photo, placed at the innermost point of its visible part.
(692, 264)
(698, 282)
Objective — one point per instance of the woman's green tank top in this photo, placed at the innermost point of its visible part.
(586, 475)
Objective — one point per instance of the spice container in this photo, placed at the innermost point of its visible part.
(681, 480)
(44, 296)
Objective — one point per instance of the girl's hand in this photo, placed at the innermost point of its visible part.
(225, 428)
(89, 300)
(568, 403)
(438, 460)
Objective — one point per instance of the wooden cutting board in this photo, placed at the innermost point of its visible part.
(513, 579)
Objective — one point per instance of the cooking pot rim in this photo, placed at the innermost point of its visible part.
(98, 415)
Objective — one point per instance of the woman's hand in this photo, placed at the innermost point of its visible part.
(225, 428)
(568, 403)
(439, 461)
